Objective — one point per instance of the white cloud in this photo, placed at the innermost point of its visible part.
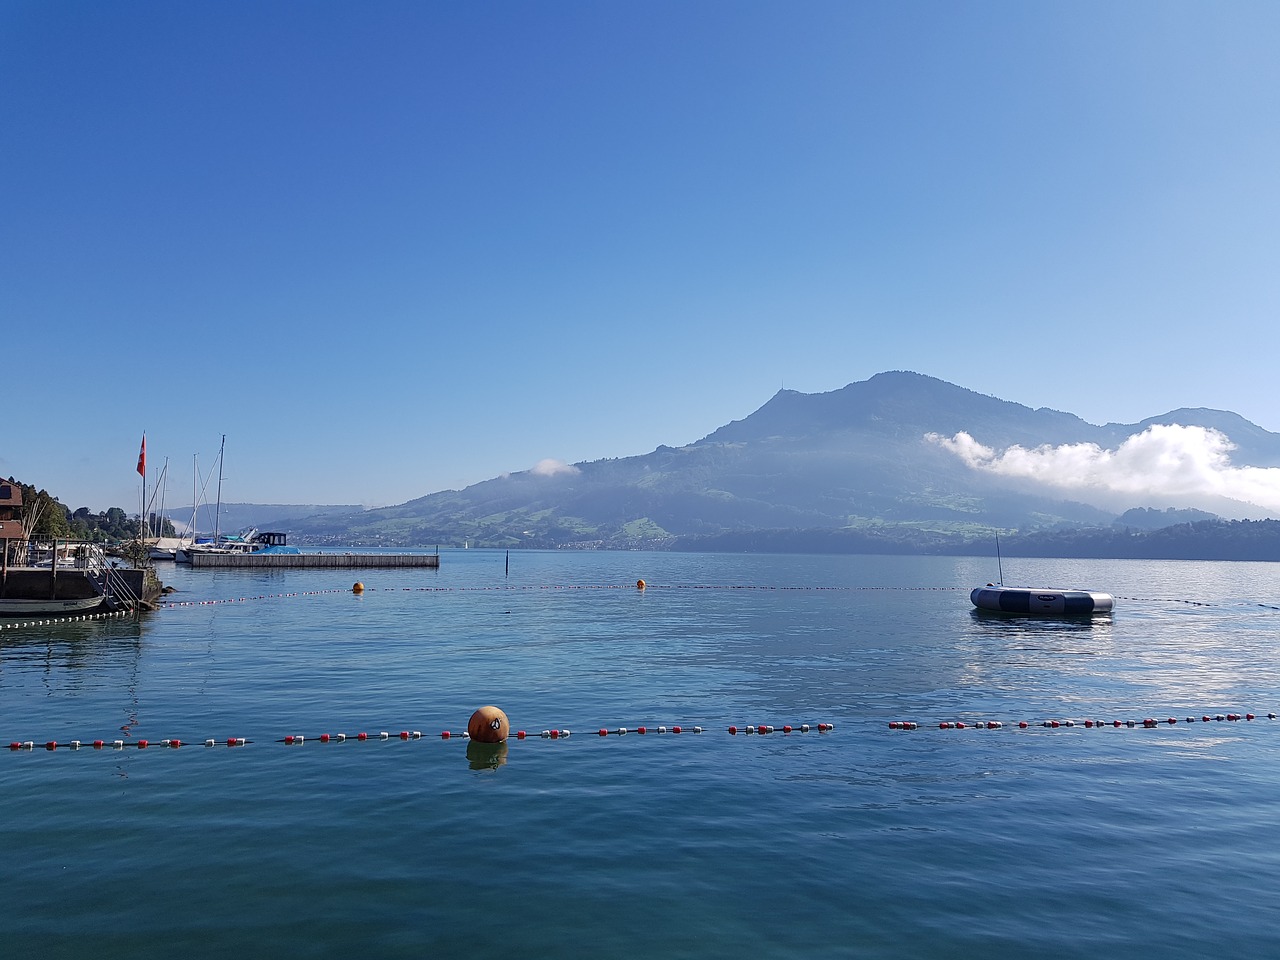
(1165, 462)
(551, 468)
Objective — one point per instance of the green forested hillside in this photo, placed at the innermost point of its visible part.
(45, 517)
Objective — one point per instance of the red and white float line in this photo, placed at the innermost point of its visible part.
(508, 588)
(1147, 723)
(298, 740)
(528, 588)
(49, 621)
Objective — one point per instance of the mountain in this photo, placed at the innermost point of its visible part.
(872, 456)
(264, 516)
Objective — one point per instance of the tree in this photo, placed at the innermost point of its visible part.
(43, 517)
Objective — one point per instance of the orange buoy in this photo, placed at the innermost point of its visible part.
(357, 587)
(640, 584)
(488, 725)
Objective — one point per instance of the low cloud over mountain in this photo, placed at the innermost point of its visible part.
(551, 468)
(1165, 465)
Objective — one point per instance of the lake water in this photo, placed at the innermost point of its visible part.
(862, 842)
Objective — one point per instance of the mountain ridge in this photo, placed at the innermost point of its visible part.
(860, 457)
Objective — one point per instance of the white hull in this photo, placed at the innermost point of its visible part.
(29, 608)
(166, 548)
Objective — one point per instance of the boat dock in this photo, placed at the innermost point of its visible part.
(314, 561)
(76, 578)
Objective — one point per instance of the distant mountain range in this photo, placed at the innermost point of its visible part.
(900, 457)
(234, 517)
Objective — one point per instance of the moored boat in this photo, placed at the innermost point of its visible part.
(251, 541)
(166, 548)
(27, 607)
(69, 578)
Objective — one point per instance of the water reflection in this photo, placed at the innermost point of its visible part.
(486, 756)
(74, 644)
(1039, 623)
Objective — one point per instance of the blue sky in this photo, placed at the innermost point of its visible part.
(395, 248)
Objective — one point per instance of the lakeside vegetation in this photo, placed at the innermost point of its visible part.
(1203, 539)
(44, 517)
(1198, 540)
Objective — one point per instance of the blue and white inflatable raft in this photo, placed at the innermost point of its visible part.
(1043, 601)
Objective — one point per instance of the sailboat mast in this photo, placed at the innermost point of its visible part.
(217, 513)
(164, 488)
(195, 496)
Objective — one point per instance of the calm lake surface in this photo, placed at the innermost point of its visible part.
(863, 842)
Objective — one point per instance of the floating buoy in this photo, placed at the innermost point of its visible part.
(488, 725)
(640, 584)
(357, 587)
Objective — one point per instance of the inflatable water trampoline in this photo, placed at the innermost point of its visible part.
(1042, 601)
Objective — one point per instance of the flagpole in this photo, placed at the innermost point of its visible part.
(142, 470)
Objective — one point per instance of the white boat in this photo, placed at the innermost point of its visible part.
(251, 541)
(1041, 601)
(57, 580)
(166, 548)
(64, 563)
(15, 607)
(244, 542)
(247, 541)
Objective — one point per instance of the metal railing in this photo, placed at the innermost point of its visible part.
(65, 554)
(115, 589)
(80, 557)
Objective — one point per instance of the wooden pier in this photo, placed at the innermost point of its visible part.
(315, 561)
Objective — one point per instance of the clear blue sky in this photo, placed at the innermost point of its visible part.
(399, 247)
